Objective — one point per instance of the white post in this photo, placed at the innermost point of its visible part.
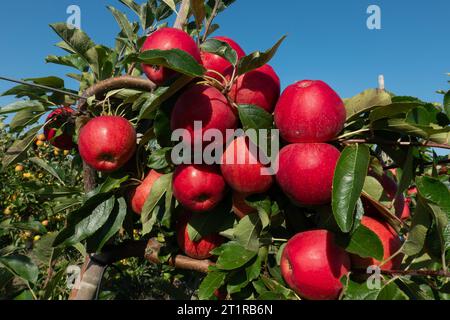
(381, 86)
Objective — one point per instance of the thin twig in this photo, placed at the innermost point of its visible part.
(431, 163)
(211, 19)
(427, 144)
(412, 273)
(40, 86)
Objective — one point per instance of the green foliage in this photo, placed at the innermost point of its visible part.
(348, 183)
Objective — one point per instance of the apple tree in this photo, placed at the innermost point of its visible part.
(358, 206)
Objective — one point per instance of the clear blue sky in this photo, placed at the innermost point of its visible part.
(327, 40)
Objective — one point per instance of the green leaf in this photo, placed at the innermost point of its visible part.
(362, 242)
(221, 49)
(435, 191)
(24, 118)
(112, 182)
(74, 39)
(247, 232)
(51, 81)
(146, 15)
(71, 60)
(159, 159)
(253, 117)
(131, 5)
(258, 59)
(50, 289)
(421, 223)
(84, 222)
(431, 132)
(47, 167)
(360, 291)
(234, 256)
(160, 187)
(19, 148)
(174, 59)
(21, 266)
(213, 222)
(123, 23)
(407, 172)
(280, 253)
(237, 281)
(212, 282)
(34, 226)
(198, 9)
(442, 227)
(171, 4)
(392, 110)
(365, 102)
(391, 292)
(96, 242)
(254, 269)
(43, 250)
(276, 287)
(28, 105)
(447, 103)
(32, 93)
(162, 128)
(348, 182)
(100, 59)
(160, 95)
(271, 296)
(25, 295)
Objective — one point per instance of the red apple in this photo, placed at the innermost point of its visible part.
(306, 172)
(260, 87)
(198, 188)
(390, 189)
(196, 250)
(242, 169)
(168, 39)
(390, 241)
(57, 119)
(221, 294)
(106, 143)
(142, 192)
(240, 207)
(412, 192)
(312, 265)
(309, 111)
(205, 104)
(214, 62)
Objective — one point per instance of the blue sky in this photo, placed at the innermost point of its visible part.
(327, 40)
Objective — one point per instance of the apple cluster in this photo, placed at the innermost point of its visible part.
(309, 115)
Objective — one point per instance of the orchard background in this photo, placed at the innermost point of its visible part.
(389, 201)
